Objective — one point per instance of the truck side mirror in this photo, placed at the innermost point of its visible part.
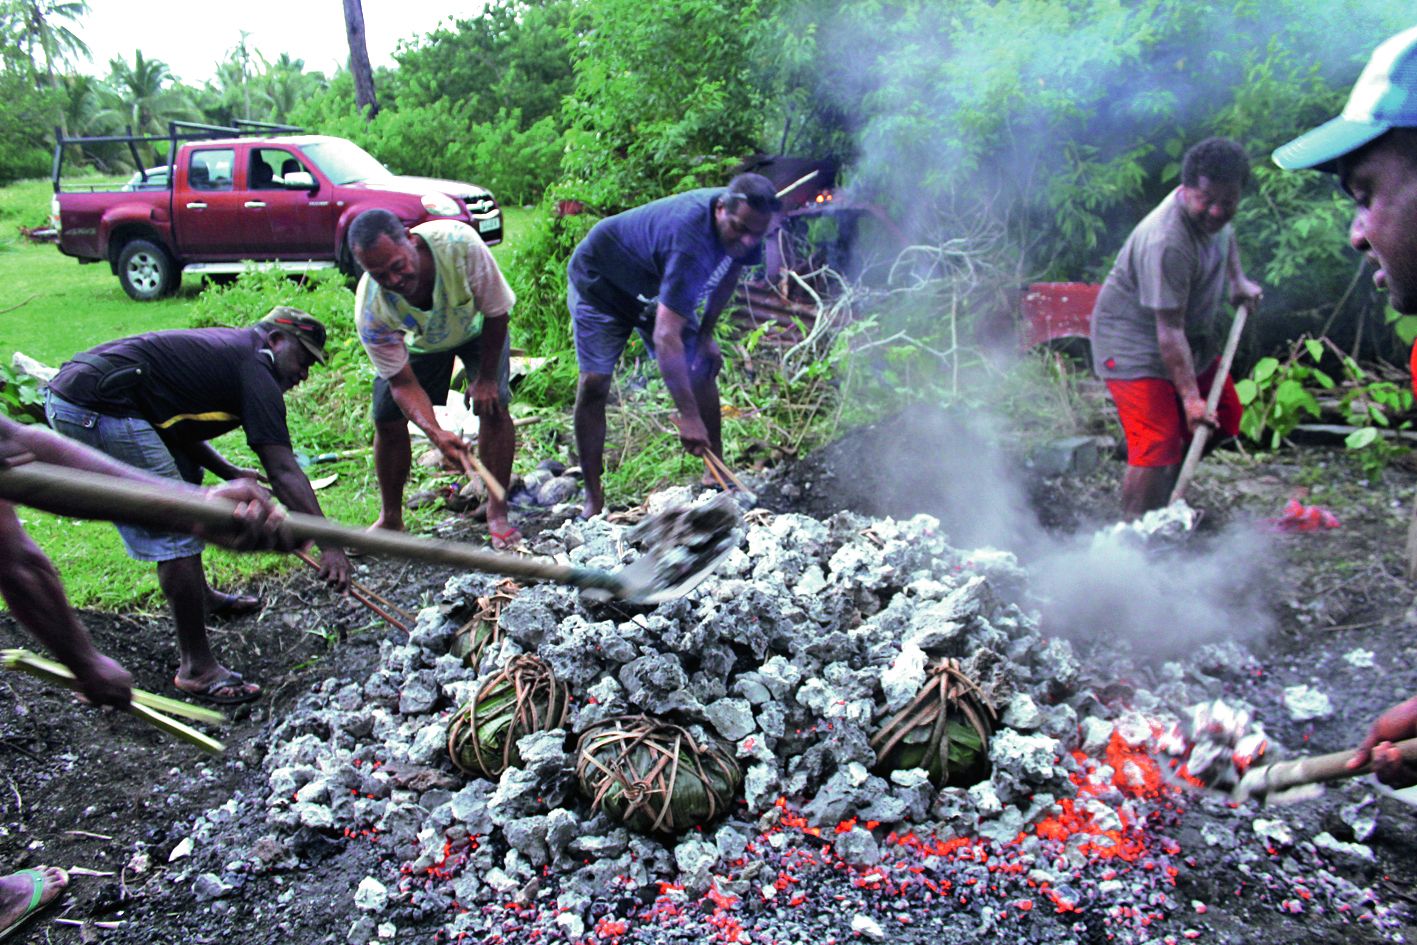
(300, 180)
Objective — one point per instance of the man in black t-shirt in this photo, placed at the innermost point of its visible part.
(154, 401)
(665, 270)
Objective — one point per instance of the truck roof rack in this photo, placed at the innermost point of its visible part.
(176, 131)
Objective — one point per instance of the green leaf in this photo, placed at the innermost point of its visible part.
(1324, 380)
(1360, 438)
(1248, 390)
(1264, 369)
(1405, 326)
(1315, 348)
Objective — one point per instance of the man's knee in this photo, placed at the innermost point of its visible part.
(391, 432)
(593, 390)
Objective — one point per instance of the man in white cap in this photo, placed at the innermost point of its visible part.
(1372, 147)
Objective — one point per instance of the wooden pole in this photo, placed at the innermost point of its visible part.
(1203, 432)
(94, 495)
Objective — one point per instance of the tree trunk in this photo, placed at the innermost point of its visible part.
(364, 98)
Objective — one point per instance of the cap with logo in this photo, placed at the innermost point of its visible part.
(1385, 97)
(300, 325)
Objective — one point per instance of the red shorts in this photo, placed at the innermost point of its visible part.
(1414, 367)
(1155, 424)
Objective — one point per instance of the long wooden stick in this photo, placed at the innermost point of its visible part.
(795, 184)
(713, 460)
(713, 471)
(94, 495)
(471, 464)
(1283, 775)
(140, 706)
(1212, 400)
(362, 594)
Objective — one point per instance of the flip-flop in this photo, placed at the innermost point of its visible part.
(36, 905)
(505, 539)
(230, 689)
(232, 605)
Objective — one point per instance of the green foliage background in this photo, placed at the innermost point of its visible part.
(1002, 141)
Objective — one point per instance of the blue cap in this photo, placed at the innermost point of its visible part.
(1384, 98)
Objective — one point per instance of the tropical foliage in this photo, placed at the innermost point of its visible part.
(1002, 141)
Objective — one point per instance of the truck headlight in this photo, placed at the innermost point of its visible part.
(441, 205)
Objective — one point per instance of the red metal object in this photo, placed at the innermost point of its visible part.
(1053, 310)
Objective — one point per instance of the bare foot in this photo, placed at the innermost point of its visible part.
(591, 506)
(17, 893)
(392, 523)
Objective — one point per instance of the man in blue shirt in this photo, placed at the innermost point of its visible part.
(666, 270)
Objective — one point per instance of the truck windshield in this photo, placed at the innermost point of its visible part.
(344, 162)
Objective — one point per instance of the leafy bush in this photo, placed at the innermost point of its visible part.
(1279, 394)
(20, 397)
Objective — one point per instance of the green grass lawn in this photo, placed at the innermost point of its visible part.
(57, 307)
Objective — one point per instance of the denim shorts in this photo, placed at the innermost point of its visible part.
(434, 372)
(601, 337)
(135, 442)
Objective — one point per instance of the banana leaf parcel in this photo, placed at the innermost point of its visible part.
(522, 698)
(654, 776)
(945, 729)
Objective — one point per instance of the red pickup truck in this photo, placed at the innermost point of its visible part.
(284, 201)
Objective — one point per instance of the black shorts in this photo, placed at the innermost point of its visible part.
(434, 371)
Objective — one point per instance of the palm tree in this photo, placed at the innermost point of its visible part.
(146, 94)
(34, 25)
(235, 92)
(364, 98)
(285, 84)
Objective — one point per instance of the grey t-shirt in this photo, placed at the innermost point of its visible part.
(1167, 262)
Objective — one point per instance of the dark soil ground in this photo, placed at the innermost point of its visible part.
(105, 793)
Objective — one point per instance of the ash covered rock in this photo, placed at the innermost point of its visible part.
(791, 656)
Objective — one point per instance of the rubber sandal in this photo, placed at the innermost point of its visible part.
(35, 906)
(503, 540)
(216, 692)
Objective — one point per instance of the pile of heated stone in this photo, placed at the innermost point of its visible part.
(792, 654)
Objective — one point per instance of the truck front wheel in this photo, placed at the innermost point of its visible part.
(146, 271)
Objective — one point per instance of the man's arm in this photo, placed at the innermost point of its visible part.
(35, 595)
(1242, 288)
(289, 484)
(674, 368)
(710, 358)
(413, 400)
(1394, 725)
(254, 524)
(206, 456)
(1176, 356)
(483, 390)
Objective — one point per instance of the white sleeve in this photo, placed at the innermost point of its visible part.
(486, 282)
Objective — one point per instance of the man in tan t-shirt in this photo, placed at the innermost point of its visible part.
(1159, 302)
(429, 294)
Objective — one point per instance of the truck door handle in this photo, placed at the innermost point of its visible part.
(196, 206)
(254, 204)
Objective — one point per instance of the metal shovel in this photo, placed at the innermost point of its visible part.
(684, 545)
